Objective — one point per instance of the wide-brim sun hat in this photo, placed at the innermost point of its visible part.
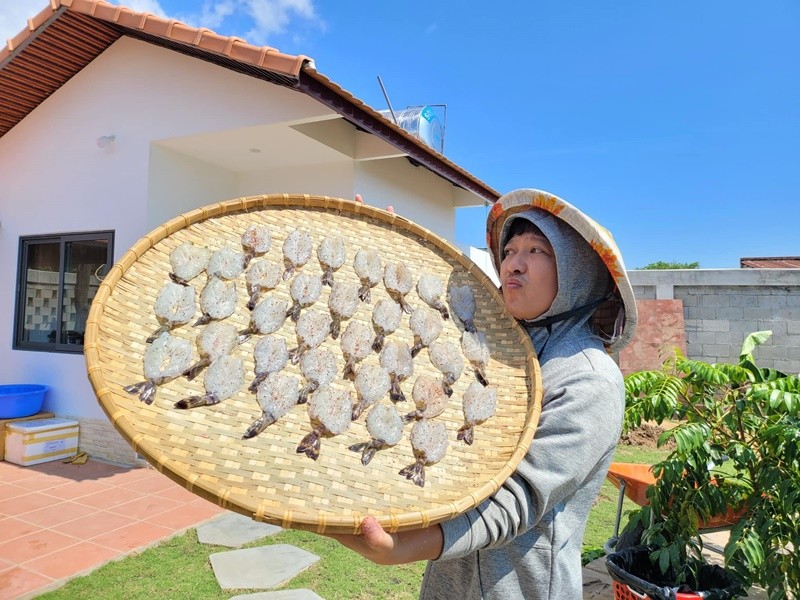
(614, 320)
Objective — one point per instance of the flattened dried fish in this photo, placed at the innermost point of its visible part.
(429, 398)
(256, 240)
(462, 301)
(331, 256)
(385, 428)
(426, 326)
(261, 275)
(267, 317)
(175, 305)
(276, 396)
(223, 378)
(215, 341)
(479, 406)
(305, 290)
(164, 360)
(271, 355)
(329, 412)
(313, 327)
(226, 263)
(475, 347)
(396, 358)
(217, 300)
(188, 261)
(430, 289)
(367, 265)
(343, 302)
(398, 281)
(446, 357)
(318, 366)
(356, 346)
(429, 442)
(372, 383)
(297, 249)
(385, 319)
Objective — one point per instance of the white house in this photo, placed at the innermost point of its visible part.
(113, 121)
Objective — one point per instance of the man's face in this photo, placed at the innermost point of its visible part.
(528, 275)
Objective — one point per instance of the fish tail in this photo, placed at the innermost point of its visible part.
(481, 376)
(466, 434)
(377, 343)
(310, 445)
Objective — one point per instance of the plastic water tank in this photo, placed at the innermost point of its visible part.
(421, 122)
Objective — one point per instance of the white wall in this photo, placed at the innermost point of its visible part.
(54, 178)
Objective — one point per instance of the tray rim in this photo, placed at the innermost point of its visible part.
(392, 522)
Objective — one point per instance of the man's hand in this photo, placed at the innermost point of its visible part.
(383, 548)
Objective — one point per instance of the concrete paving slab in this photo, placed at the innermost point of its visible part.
(234, 530)
(280, 595)
(260, 568)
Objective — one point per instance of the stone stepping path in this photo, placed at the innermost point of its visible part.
(263, 567)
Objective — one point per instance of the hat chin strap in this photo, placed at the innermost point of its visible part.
(574, 312)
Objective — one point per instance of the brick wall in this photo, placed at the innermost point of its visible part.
(99, 439)
(720, 307)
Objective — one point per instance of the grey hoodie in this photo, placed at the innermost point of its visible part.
(525, 540)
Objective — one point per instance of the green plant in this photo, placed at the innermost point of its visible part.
(737, 451)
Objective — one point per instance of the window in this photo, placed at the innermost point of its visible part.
(57, 279)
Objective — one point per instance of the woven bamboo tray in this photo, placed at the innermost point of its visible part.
(264, 477)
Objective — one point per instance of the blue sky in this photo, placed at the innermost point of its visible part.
(674, 124)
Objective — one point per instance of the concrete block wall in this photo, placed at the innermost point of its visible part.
(721, 307)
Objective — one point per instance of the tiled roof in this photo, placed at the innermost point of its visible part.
(773, 262)
(68, 34)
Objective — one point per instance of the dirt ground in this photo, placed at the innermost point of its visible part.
(646, 436)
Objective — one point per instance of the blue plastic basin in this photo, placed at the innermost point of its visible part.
(21, 400)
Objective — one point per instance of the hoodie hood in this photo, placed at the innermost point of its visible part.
(591, 273)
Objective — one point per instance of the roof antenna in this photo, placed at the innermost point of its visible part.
(385, 95)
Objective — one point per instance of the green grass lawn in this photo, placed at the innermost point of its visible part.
(179, 568)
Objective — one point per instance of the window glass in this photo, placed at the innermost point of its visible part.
(59, 277)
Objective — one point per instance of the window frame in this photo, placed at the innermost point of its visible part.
(62, 239)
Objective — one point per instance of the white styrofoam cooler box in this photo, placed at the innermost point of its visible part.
(42, 440)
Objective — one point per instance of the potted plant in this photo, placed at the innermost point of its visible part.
(736, 456)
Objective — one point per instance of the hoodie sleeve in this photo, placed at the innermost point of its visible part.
(580, 422)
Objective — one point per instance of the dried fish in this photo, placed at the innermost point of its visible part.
(267, 317)
(343, 303)
(271, 355)
(226, 263)
(313, 327)
(385, 319)
(446, 357)
(188, 261)
(475, 347)
(256, 240)
(217, 300)
(319, 368)
(426, 325)
(276, 396)
(305, 290)
(223, 378)
(164, 360)
(261, 275)
(479, 405)
(356, 346)
(430, 289)
(372, 383)
(367, 265)
(462, 301)
(429, 398)
(396, 358)
(175, 305)
(398, 281)
(429, 443)
(385, 428)
(296, 251)
(215, 341)
(329, 412)
(331, 254)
